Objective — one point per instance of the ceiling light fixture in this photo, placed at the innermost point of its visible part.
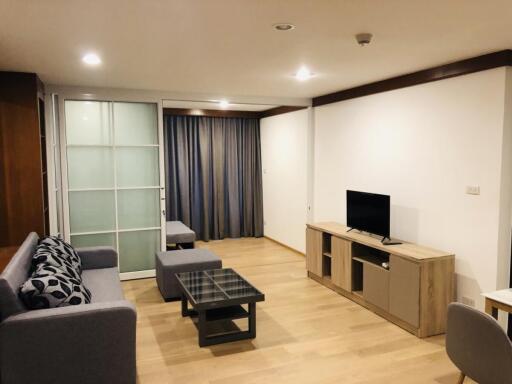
(303, 74)
(91, 59)
(224, 104)
(283, 27)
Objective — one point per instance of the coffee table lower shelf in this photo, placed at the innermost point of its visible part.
(216, 326)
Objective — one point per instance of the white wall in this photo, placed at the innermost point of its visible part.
(284, 152)
(506, 188)
(423, 145)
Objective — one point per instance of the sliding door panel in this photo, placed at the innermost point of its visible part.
(90, 167)
(94, 240)
(137, 250)
(92, 211)
(137, 167)
(138, 208)
(113, 178)
(136, 124)
(88, 123)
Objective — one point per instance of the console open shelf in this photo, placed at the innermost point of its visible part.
(326, 256)
(365, 254)
(357, 276)
(326, 266)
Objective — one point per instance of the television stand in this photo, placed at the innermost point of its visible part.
(407, 284)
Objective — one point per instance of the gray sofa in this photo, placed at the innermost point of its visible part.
(82, 344)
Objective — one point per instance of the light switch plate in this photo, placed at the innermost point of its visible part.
(473, 190)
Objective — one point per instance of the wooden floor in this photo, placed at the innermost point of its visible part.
(306, 333)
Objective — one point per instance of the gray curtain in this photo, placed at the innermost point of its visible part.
(213, 175)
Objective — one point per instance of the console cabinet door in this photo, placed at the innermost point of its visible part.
(404, 289)
(314, 251)
(341, 268)
(376, 285)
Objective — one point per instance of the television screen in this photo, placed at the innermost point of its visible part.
(368, 212)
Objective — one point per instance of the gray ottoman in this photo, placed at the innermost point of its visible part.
(179, 234)
(186, 260)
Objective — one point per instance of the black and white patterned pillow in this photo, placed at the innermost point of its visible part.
(49, 287)
(46, 256)
(80, 295)
(65, 249)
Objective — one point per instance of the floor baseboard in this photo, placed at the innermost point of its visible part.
(284, 245)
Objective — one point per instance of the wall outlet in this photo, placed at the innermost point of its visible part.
(468, 301)
(473, 190)
(264, 222)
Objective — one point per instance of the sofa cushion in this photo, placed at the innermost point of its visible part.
(46, 256)
(13, 275)
(50, 287)
(64, 249)
(104, 284)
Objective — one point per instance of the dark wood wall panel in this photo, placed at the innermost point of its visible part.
(4, 228)
(22, 181)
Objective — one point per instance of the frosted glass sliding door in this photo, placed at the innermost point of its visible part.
(113, 179)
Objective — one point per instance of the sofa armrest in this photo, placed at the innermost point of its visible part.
(97, 257)
(90, 343)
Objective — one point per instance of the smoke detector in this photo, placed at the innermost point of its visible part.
(364, 39)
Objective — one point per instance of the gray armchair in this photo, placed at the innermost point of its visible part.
(90, 343)
(478, 346)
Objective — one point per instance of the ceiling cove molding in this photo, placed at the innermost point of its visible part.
(280, 110)
(227, 113)
(446, 71)
(210, 112)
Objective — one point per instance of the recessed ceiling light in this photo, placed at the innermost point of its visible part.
(364, 39)
(91, 59)
(224, 104)
(283, 26)
(303, 74)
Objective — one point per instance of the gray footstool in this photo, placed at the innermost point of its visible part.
(186, 260)
(179, 234)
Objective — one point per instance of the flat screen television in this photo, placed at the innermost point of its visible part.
(368, 212)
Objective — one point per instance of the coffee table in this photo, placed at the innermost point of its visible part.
(217, 297)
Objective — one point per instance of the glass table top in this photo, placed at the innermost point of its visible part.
(216, 285)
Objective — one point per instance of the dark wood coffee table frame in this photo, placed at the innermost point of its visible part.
(225, 310)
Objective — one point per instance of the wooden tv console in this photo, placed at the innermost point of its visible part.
(413, 292)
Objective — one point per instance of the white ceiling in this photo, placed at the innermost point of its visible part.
(227, 47)
(215, 105)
